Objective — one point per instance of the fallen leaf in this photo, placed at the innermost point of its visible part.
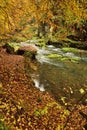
(1, 85)
(82, 90)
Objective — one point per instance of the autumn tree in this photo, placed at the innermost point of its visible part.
(12, 15)
(42, 17)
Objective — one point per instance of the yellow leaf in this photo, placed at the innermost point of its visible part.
(82, 90)
(1, 85)
(58, 128)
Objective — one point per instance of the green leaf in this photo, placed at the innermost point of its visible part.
(43, 112)
(37, 112)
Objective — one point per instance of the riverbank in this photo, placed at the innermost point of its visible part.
(24, 107)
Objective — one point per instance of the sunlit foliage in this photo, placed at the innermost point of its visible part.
(46, 16)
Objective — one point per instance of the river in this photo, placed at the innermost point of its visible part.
(65, 81)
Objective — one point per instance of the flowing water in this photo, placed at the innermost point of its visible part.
(65, 81)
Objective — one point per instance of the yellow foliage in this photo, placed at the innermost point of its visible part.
(15, 14)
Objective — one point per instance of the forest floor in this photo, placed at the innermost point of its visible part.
(24, 107)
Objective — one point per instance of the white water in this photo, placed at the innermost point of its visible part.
(38, 85)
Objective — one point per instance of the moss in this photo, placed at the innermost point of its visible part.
(64, 59)
(73, 60)
(18, 38)
(41, 42)
(54, 56)
(70, 49)
(16, 47)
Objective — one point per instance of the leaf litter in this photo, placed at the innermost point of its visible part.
(25, 107)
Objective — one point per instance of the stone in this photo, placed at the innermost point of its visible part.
(27, 51)
(19, 49)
